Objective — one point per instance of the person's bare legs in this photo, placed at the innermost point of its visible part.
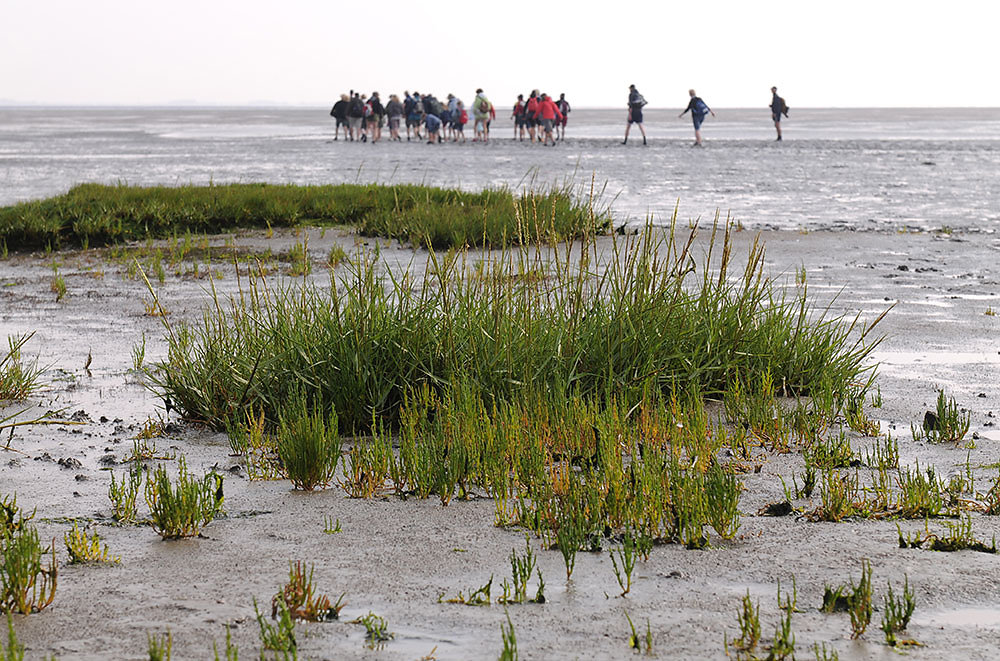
(777, 126)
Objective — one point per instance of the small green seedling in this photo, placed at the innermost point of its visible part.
(159, 647)
(896, 612)
(330, 527)
(509, 652)
(376, 630)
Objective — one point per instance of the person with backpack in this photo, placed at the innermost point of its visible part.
(698, 110)
(355, 115)
(481, 112)
(415, 116)
(636, 102)
(518, 116)
(373, 116)
(394, 110)
(564, 108)
(778, 108)
(461, 119)
(549, 114)
(531, 114)
(339, 112)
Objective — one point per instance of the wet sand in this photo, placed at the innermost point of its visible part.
(395, 558)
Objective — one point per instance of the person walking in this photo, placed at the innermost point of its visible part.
(778, 108)
(698, 110)
(355, 115)
(374, 116)
(481, 112)
(394, 110)
(564, 108)
(518, 116)
(339, 112)
(549, 114)
(636, 102)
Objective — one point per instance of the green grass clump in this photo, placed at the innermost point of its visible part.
(638, 317)
(182, 510)
(86, 548)
(28, 571)
(308, 445)
(94, 214)
(18, 379)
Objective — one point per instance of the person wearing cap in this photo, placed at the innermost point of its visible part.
(635, 104)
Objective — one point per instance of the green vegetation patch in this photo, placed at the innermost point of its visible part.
(621, 321)
(95, 214)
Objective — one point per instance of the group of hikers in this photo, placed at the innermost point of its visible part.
(538, 118)
(425, 116)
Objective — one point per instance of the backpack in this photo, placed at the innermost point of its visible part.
(368, 109)
(484, 106)
(464, 119)
(784, 107)
(700, 107)
(418, 107)
(532, 107)
(435, 106)
(356, 109)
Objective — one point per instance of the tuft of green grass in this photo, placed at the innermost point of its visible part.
(947, 423)
(638, 318)
(896, 612)
(509, 651)
(859, 601)
(159, 648)
(182, 509)
(28, 571)
(300, 599)
(86, 548)
(18, 379)
(308, 445)
(376, 630)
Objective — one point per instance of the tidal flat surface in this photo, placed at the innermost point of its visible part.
(397, 557)
(837, 169)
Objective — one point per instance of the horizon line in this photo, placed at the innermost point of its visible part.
(7, 103)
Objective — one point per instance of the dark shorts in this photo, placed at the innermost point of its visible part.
(413, 120)
(519, 121)
(341, 122)
(547, 125)
(697, 119)
(635, 116)
(562, 122)
(776, 116)
(394, 122)
(459, 127)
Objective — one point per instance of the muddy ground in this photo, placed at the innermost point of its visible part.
(396, 558)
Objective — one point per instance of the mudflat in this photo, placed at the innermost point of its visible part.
(399, 558)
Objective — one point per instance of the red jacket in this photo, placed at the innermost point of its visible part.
(548, 110)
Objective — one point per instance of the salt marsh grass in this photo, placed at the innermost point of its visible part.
(182, 509)
(18, 377)
(94, 214)
(635, 318)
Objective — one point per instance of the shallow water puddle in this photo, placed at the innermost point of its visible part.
(963, 617)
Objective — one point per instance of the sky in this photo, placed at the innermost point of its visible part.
(850, 53)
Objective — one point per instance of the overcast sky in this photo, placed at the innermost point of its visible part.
(846, 53)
